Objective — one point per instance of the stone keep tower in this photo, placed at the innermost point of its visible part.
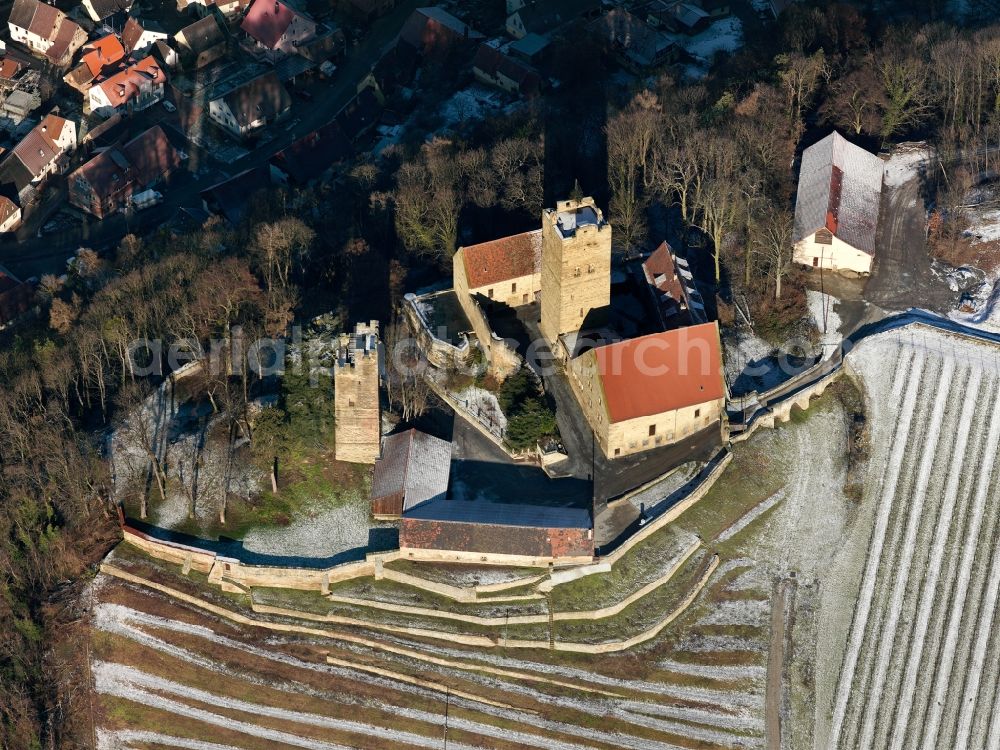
(357, 419)
(576, 266)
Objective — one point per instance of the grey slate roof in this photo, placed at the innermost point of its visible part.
(414, 463)
(849, 209)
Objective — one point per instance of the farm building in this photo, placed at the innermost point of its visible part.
(837, 206)
(500, 533)
(653, 390)
(413, 469)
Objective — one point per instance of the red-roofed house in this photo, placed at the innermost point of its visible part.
(652, 390)
(278, 28)
(42, 152)
(507, 270)
(98, 58)
(135, 88)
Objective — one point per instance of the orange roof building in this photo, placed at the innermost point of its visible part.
(652, 390)
(136, 87)
(507, 270)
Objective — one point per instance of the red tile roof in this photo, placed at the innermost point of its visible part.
(101, 53)
(661, 273)
(267, 21)
(125, 85)
(506, 258)
(9, 68)
(661, 372)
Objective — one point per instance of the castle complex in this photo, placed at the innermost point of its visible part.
(356, 396)
(637, 392)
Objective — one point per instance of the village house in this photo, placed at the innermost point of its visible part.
(250, 107)
(653, 390)
(542, 17)
(277, 28)
(43, 151)
(633, 42)
(493, 67)
(309, 158)
(228, 8)
(10, 215)
(671, 15)
(133, 89)
(19, 98)
(100, 58)
(435, 31)
(107, 182)
(357, 415)
(98, 10)
(715, 8)
(201, 43)
(9, 69)
(46, 31)
(413, 469)
(139, 36)
(837, 206)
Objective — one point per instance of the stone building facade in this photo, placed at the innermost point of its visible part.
(576, 267)
(357, 415)
(651, 391)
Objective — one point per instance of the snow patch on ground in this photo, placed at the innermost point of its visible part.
(482, 403)
(821, 308)
(984, 225)
(906, 163)
(324, 532)
(738, 612)
(725, 35)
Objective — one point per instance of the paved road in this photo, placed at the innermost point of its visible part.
(902, 276)
(47, 254)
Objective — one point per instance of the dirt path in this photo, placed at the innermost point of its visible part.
(776, 666)
(902, 276)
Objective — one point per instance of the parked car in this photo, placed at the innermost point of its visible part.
(304, 95)
(169, 106)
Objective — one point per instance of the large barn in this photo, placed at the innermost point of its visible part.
(837, 206)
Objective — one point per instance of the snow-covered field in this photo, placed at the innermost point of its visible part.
(920, 573)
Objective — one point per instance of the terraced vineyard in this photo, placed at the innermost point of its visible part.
(919, 668)
(170, 673)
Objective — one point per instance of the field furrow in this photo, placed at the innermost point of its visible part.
(943, 669)
(903, 564)
(867, 592)
(928, 591)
